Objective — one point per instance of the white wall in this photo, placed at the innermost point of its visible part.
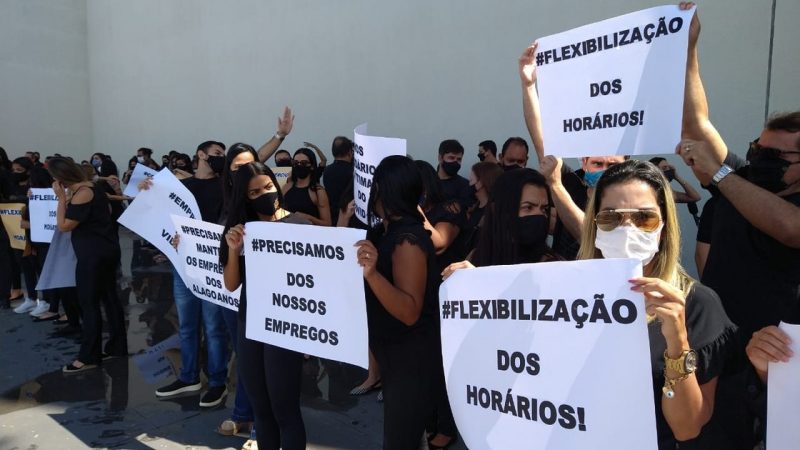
(44, 85)
(170, 74)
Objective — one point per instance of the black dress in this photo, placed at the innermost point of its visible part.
(298, 199)
(406, 354)
(711, 334)
(97, 251)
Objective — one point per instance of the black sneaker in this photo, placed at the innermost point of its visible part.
(178, 387)
(214, 396)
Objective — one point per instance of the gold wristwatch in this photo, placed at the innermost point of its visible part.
(684, 365)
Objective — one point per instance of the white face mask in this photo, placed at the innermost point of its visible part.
(140, 159)
(628, 242)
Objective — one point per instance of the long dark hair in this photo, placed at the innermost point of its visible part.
(313, 159)
(4, 161)
(398, 185)
(108, 168)
(241, 211)
(40, 178)
(499, 240)
(431, 185)
(227, 174)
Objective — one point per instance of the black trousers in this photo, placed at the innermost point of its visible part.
(442, 420)
(96, 279)
(5, 266)
(407, 374)
(271, 377)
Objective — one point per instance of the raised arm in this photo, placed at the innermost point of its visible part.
(530, 98)
(285, 124)
(323, 161)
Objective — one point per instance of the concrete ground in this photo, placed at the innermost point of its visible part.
(114, 406)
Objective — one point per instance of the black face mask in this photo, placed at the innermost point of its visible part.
(532, 230)
(451, 168)
(301, 171)
(511, 167)
(264, 204)
(19, 177)
(481, 156)
(670, 174)
(217, 163)
(766, 170)
(283, 163)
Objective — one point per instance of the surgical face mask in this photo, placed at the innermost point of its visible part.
(96, 163)
(217, 163)
(140, 159)
(766, 170)
(532, 230)
(627, 241)
(591, 177)
(451, 168)
(264, 204)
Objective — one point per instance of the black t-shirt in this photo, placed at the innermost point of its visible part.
(757, 277)
(564, 245)
(208, 193)
(457, 188)
(336, 178)
(711, 334)
(453, 213)
(383, 327)
(96, 234)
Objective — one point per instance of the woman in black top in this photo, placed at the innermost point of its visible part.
(516, 223)
(84, 210)
(5, 243)
(481, 181)
(634, 216)
(271, 374)
(401, 292)
(303, 195)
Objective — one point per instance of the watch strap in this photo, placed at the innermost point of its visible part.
(723, 172)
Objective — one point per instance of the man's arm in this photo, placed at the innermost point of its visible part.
(285, 124)
(570, 214)
(530, 98)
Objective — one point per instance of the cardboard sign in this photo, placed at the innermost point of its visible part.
(11, 215)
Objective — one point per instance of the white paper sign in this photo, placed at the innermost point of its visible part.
(305, 290)
(198, 251)
(615, 87)
(42, 207)
(140, 173)
(574, 356)
(149, 215)
(783, 397)
(369, 151)
(154, 364)
(282, 174)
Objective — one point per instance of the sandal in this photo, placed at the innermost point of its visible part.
(365, 389)
(230, 427)
(251, 444)
(72, 368)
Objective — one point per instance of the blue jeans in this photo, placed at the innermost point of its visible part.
(191, 313)
(242, 411)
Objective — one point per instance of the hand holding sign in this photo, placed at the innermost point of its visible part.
(235, 239)
(770, 344)
(668, 304)
(367, 257)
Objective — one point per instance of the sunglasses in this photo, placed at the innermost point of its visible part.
(644, 219)
(769, 151)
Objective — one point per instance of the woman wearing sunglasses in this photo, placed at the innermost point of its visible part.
(632, 215)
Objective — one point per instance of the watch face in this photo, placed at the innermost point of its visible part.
(690, 363)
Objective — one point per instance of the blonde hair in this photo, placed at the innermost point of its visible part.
(666, 263)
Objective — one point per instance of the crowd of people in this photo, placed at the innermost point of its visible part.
(711, 339)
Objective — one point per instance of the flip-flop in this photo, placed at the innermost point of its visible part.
(361, 389)
(46, 319)
(69, 368)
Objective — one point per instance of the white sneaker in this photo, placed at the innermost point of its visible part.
(41, 308)
(26, 306)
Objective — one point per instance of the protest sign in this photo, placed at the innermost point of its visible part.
(11, 215)
(198, 251)
(529, 352)
(783, 396)
(368, 151)
(149, 215)
(43, 207)
(305, 290)
(615, 87)
(154, 364)
(140, 173)
(282, 174)
(59, 265)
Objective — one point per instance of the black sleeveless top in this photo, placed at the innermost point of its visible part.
(96, 234)
(383, 327)
(298, 199)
